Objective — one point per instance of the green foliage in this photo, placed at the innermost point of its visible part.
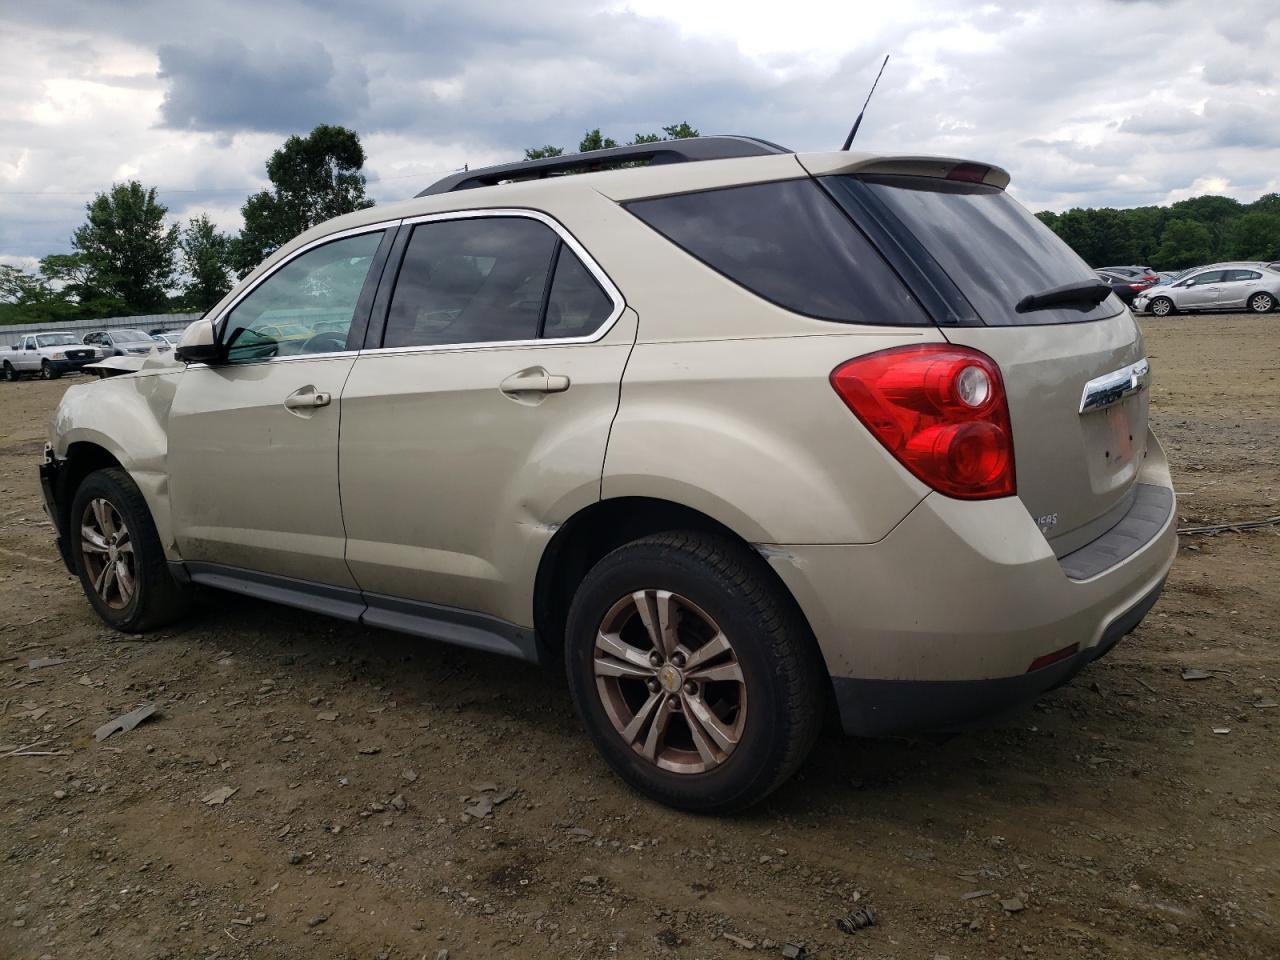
(127, 249)
(539, 153)
(680, 131)
(593, 140)
(313, 179)
(206, 260)
(1185, 243)
(1206, 229)
(1255, 235)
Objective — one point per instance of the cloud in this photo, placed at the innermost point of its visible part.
(1112, 103)
(224, 85)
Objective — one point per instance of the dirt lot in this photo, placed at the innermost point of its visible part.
(1112, 812)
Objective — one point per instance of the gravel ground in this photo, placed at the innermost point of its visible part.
(1109, 820)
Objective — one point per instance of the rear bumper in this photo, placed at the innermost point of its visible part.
(945, 618)
(877, 707)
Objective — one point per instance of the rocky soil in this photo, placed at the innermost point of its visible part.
(312, 789)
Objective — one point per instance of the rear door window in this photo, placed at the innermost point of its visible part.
(989, 245)
(478, 280)
(790, 244)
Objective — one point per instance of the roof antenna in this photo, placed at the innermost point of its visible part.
(857, 123)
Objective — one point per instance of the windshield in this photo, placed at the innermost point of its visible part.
(129, 336)
(990, 246)
(57, 340)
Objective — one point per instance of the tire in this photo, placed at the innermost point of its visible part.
(1162, 307)
(47, 371)
(772, 711)
(1262, 302)
(108, 500)
(10, 374)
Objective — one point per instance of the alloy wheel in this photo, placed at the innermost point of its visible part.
(670, 681)
(1262, 303)
(107, 551)
(1160, 307)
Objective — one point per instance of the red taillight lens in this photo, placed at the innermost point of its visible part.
(941, 410)
(1139, 286)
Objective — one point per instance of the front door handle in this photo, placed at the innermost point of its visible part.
(307, 398)
(534, 380)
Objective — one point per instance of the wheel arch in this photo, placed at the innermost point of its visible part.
(595, 530)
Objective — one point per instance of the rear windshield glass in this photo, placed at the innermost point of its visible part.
(990, 246)
(790, 244)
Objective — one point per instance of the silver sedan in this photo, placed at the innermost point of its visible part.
(1221, 286)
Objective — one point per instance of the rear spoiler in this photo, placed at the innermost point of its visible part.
(942, 168)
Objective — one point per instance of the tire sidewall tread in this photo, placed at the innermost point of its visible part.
(783, 670)
(158, 598)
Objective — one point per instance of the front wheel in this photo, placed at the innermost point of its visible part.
(1162, 307)
(693, 672)
(118, 556)
(48, 371)
(1262, 302)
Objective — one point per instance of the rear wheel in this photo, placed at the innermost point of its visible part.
(1162, 307)
(10, 374)
(1262, 302)
(694, 674)
(48, 371)
(118, 556)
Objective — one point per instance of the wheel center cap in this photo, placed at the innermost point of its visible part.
(670, 678)
(111, 552)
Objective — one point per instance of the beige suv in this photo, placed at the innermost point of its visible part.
(734, 434)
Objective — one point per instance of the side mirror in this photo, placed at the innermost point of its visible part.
(199, 344)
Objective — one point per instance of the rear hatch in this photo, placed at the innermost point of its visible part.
(981, 252)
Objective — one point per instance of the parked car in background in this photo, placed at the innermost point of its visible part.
(1126, 288)
(47, 355)
(1219, 286)
(122, 342)
(1136, 271)
(172, 338)
(732, 438)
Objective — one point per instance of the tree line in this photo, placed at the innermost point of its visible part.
(1205, 229)
(127, 259)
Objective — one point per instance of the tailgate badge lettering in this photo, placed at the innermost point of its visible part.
(1047, 522)
(1113, 387)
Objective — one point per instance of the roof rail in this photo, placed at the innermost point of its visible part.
(664, 151)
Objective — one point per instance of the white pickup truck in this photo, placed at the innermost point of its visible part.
(47, 355)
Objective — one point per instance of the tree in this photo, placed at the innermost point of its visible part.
(644, 138)
(1184, 243)
(680, 131)
(592, 140)
(127, 249)
(206, 260)
(1254, 236)
(313, 178)
(539, 153)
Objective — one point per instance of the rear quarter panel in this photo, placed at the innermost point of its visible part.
(750, 432)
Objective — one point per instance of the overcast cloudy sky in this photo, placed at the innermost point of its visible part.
(1091, 102)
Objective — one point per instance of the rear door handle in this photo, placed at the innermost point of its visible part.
(534, 380)
(307, 397)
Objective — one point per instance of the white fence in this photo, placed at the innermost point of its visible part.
(11, 334)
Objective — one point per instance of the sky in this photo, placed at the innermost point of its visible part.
(1087, 103)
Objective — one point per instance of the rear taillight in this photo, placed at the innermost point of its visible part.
(1139, 286)
(941, 410)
